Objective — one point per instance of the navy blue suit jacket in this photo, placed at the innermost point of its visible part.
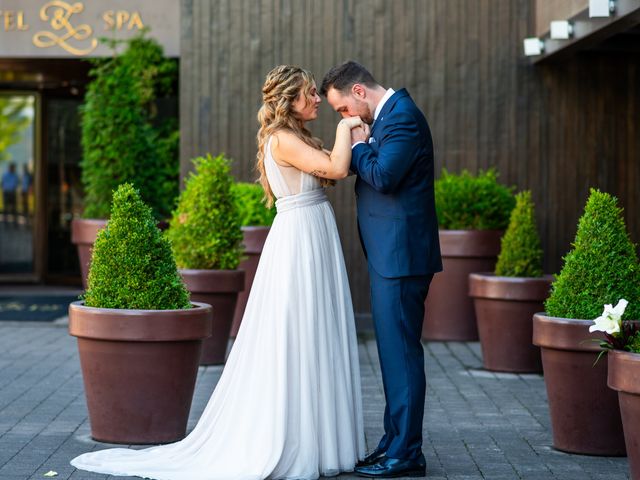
(394, 192)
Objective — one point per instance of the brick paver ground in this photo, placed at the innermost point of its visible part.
(478, 425)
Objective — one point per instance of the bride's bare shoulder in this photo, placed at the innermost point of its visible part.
(285, 139)
(284, 145)
(287, 145)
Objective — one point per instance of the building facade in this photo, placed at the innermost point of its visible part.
(43, 74)
(556, 125)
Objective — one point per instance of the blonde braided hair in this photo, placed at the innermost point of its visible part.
(280, 90)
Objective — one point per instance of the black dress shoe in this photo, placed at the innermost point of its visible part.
(394, 467)
(372, 458)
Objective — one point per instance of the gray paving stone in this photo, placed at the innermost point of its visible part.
(478, 424)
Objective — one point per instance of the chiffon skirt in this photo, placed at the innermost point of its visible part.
(288, 403)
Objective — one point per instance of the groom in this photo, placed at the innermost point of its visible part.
(399, 234)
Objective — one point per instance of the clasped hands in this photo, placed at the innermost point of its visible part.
(360, 131)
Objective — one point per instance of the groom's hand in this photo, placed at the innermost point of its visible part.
(360, 134)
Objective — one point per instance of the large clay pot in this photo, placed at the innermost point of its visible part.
(83, 235)
(253, 242)
(504, 309)
(218, 288)
(624, 376)
(139, 369)
(585, 417)
(449, 314)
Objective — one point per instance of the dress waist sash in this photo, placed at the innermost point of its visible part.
(304, 199)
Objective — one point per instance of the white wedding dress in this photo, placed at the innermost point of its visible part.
(288, 404)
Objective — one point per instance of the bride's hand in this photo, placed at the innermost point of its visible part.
(352, 122)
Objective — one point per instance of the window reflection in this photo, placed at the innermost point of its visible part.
(17, 201)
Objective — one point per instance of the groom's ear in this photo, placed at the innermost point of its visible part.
(358, 90)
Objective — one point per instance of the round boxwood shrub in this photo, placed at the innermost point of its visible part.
(132, 266)
(204, 230)
(601, 268)
(520, 252)
(472, 202)
(120, 141)
(249, 200)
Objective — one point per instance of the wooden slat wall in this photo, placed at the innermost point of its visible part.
(555, 129)
(549, 10)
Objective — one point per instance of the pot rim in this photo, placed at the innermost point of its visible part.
(213, 281)
(130, 325)
(620, 378)
(211, 271)
(459, 231)
(85, 230)
(565, 333)
(198, 306)
(255, 228)
(470, 243)
(496, 287)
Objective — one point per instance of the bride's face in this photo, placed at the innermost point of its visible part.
(306, 105)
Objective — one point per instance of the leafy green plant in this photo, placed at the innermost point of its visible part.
(120, 139)
(520, 252)
(468, 202)
(634, 343)
(250, 205)
(601, 268)
(132, 266)
(204, 230)
(13, 121)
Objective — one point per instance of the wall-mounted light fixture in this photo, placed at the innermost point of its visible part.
(601, 8)
(560, 30)
(533, 46)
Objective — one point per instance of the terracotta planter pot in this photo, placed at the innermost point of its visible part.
(624, 377)
(585, 417)
(253, 242)
(139, 369)
(218, 288)
(449, 314)
(504, 307)
(83, 236)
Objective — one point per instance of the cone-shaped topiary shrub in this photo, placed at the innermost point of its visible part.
(249, 199)
(520, 252)
(602, 268)
(204, 230)
(132, 266)
(120, 139)
(468, 202)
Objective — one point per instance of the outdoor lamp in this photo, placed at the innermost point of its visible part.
(533, 46)
(601, 8)
(561, 29)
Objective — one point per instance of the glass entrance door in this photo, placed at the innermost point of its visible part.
(18, 164)
(63, 186)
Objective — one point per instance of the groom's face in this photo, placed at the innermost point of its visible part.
(351, 104)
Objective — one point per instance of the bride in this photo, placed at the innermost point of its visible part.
(288, 403)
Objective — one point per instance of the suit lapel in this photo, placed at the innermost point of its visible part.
(388, 106)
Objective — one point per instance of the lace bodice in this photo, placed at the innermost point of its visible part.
(286, 181)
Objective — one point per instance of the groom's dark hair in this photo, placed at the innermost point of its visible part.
(343, 77)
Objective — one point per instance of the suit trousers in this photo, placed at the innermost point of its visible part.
(397, 307)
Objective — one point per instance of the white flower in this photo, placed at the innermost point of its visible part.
(611, 318)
